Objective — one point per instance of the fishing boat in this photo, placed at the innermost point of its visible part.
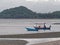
(44, 27)
(38, 27)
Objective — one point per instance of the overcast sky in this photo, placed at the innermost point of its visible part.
(42, 6)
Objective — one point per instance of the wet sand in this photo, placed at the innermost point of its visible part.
(49, 43)
(13, 42)
(36, 35)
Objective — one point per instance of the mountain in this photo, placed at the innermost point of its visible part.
(17, 12)
(23, 12)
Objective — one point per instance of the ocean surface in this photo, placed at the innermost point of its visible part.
(17, 26)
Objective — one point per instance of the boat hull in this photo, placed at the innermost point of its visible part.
(32, 29)
(42, 28)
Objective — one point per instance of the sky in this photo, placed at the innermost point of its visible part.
(39, 6)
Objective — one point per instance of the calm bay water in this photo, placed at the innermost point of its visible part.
(17, 26)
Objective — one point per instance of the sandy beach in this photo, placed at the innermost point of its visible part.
(13, 42)
(36, 35)
(23, 42)
(49, 43)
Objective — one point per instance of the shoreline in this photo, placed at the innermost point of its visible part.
(36, 35)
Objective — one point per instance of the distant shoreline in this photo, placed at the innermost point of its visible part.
(27, 18)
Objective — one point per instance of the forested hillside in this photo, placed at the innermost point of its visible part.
(23, 12)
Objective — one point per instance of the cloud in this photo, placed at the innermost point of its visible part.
(56, 0)
(37, 0)
(35, 5)
(32, 0)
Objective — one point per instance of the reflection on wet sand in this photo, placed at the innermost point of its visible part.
(26, 41)
(49, 43)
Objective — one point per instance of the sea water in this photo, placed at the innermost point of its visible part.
(17, 26)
